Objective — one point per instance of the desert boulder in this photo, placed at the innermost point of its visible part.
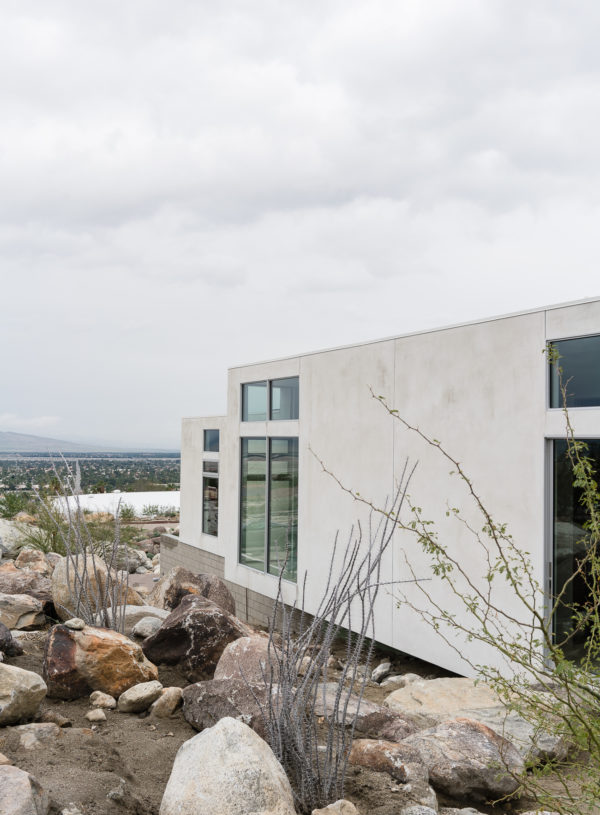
(79, 662)
(239, 775)
(194, 636)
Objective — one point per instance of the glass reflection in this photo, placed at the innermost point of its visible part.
(283, 506)
(580, 363)
(569, 547)
(253, 503)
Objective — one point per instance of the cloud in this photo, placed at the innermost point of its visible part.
(185, 189)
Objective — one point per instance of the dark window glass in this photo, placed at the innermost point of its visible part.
(570, 542)
(210, 505)
(254, 402)
(283, 506)
(580, 363)
(253, 502)
(210, 466)
(284, 398)
(211, 441)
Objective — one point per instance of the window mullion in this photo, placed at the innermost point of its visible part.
(267, 502)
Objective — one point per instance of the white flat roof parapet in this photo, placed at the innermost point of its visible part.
(449, 327)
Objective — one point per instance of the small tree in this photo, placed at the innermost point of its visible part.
(552, 692)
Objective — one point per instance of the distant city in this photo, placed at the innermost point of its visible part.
(32, 462)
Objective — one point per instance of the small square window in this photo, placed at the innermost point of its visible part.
(579, 359)
(284, 398)
(254, 402)
(211, 441)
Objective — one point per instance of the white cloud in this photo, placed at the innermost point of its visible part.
(208, 184)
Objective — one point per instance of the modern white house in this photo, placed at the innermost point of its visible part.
(252, 481)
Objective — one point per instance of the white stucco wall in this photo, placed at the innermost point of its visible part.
(481, 389)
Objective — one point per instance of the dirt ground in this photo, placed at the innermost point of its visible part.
(123, 765)
(129, 754)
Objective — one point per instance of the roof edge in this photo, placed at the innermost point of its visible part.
(448, 327)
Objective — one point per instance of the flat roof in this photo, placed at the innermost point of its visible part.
(422, 331)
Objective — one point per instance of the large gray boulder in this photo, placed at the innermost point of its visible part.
(438, 700)
(21, 793)
(20, 694)
(179, 582)
(193, 637)
(206, 703)
(26, 581)
(467, 760)
(239, 775)
(443, 698)
(248, 658)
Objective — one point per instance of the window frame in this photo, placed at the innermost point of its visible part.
(213, 476)
(268, 408)
(206, 449)
(267, 512)
(549, 367)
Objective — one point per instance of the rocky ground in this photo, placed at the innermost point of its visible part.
(123, 764)
(130, 754)
(96, 717)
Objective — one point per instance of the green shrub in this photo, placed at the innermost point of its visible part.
(127, 512)
(11, 503)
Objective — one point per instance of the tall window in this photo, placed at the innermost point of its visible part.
(580, 363)
(269, 505)
(275, 399)
(570, 542)
(210, 497)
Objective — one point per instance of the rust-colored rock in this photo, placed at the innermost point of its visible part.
(180, 582)
(194, 636)
(79, 662)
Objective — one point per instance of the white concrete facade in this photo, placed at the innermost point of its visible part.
(481, 389)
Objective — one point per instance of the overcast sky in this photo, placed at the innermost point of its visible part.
(187, 186)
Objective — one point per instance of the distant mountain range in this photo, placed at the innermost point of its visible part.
(25, 443)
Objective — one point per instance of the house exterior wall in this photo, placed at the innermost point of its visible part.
(481, 389)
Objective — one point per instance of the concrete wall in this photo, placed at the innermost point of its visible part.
(481, 389)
